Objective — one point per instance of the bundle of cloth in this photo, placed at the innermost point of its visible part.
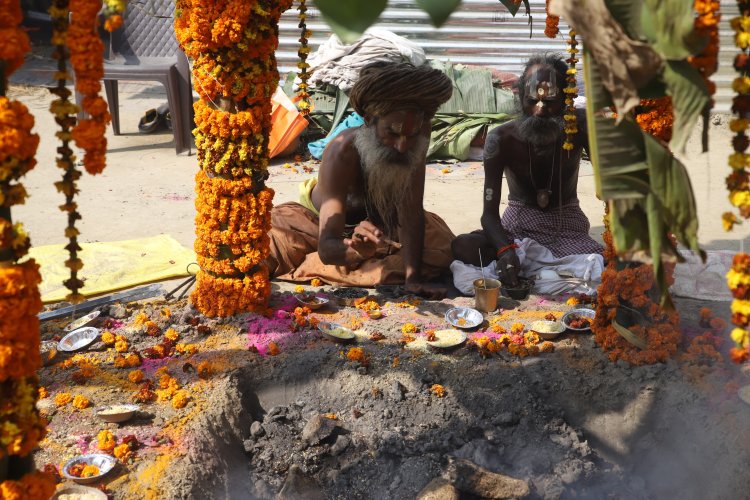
(339, 64)
(571, 274)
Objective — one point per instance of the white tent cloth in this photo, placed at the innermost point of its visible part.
(580, 273)
(339, 64)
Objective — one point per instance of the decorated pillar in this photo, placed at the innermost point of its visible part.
(232, 45)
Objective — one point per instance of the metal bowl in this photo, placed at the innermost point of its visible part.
(547, 330)
(117, 413)
(446, 339)
(78, 491)
(570, 315)
(520, 292)
(311, 300)
(48, 351)
(78, 339)
(336, 332)
(465, 318)
(105, 463)
(347, 296)
(82, 321)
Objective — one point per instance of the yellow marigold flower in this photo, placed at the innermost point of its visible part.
(180, 399)
(728, 220)
(569, 117)
(106, 441)
(132, 360)
(446, 170)
(316, 282)
(409, 328)
(741, 23)
(739, 124)
(63, 398)
(121, 345)
(739, 198)
(531, 338)
(80, 402)
(568, 146)
(570, 90)
(517, 327)
(571, 129)
(573, 301)
(172, 334)
(140, 319)
(741, 307)
(188, 349)
(742, 39)
(438, 390)
(547, 346)
(122, 451)
(298, 288)
(136, 376)
(166, 312)
(738, 161)
(108, 338)
(120, 362)
(482, 341)
(43, 392)
(740, 336)
(90, 471)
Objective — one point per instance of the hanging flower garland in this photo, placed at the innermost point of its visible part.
(707, 25)
(21, 426)
(551, 28)
(738, 279)
(655, 116)
(571, 92)
(113, 10)
(303, 103)
(232, 43)
(739, 161)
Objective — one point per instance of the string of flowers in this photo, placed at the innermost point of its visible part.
(21, 426)
(112, 11)
(74, 30)
(571, 92)
(738, 279)
(738, 181)
(551, 28)
(303, 104)
(232, 44)
(707, 25)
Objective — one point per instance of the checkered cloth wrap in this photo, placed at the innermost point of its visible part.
(563, 232)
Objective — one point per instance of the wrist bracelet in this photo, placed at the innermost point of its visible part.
(505, 249)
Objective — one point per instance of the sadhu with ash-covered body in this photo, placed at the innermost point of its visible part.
(361, 222)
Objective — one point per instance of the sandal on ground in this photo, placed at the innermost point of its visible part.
(150, 122)
(168, 120)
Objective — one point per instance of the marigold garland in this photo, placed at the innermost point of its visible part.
(303, 103)
(232, 43)
(739, 161)
(551, 28)
(571, 92)
(655, 117)
(738, 279)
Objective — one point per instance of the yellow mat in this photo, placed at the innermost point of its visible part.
(109, 266)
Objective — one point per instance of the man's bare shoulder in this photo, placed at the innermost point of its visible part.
(341, 152)
(500, 138)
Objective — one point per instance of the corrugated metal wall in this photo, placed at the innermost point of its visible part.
(482, 32)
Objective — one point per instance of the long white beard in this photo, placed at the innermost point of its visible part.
(388, 174)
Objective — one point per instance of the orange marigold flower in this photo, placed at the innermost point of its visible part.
(739, 355)
(106, 441)
(63, 398)
(80, 402)
(438, 390)
(573, 301)
(204, 369)
(43, 392)
(122, 452)
(135, 376)
(108, 338)
(409, 328)
(180, 399)
(315, 282)
(172, 334)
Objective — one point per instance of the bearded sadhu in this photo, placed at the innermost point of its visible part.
(542, 177)
(362, 222)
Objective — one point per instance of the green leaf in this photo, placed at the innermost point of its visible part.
(514, 6)
(689, 99)
(669, 26)
(439, 10)
(628, 14)
(350, 18)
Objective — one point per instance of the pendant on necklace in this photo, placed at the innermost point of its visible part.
(542, 197)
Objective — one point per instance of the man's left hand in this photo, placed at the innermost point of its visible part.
(432, 291)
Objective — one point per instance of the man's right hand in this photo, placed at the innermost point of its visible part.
(508, 267)
(365, 239)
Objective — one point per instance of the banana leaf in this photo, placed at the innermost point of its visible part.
(350, 18)
(513, 6)
(438, 10)
(452, 134)
(648, 189)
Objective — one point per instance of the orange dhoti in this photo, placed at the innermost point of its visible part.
(294, 252)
